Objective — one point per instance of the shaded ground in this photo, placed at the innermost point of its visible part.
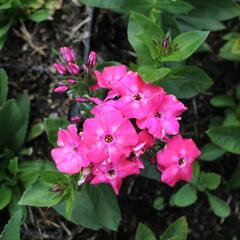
(30, 72)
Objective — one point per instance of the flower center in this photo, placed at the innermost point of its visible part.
(181, 162)
(108, 138)
(74, 148)
(137, 97)
(111, 173)
(158, 115)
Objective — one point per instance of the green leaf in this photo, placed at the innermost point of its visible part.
(192, 22)
(231, 118)
(185, 196)
(186, 81)
(176, 231)
(19, 137)
(36, 130)
(150, 73)
(4, 29)
(53, 176)
(3, 86)
(211, 152)
(140, 25)
(11, 118)
(69, 202)
(3, 39)
(6, 4)
(231, 50)
(196, 173)
(40, 195)
(186, 44)
(227, 138)
(40, 15)
(12, 229)
(158, 203)
(5, 196)
(223, 101)
(234, 183)
(51, 126)
(209, 180)
(219, 207)
(13, 166)
(29, 171)
(121, 5)
(144, 233)
(115, 5)
(98, 205)
(221, 10)
(174, 7)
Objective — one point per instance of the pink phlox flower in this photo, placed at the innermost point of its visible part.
(68, 54)
(103, 106)
(163, 116)
(175, 161)
(139, 162)
(109, 135)
(145, 141)
(70, 153)
(135, 96)
(110, 76)
(113, 172)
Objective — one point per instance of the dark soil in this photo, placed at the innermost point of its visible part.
(30, 72)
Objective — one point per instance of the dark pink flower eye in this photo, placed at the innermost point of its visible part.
(137, 97)
(158, 115)
(181, 162)
(111, 173)
(108, 138)
(75, 149)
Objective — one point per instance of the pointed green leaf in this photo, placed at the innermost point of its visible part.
(219, 207)
(144, 233)
(3, 86)
(186, 81)
(186, 44)
(227, 138)
(12, 229)
(176, 231)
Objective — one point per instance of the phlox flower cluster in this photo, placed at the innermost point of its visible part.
(133, 118)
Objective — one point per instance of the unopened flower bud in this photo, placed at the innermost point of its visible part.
(60, 68)
(81, 99)
(61, 89)
(92, 59)
(85, 68)
(72, 81)
(75, 119)
(73, 68)
(68, 54)
(165, 43)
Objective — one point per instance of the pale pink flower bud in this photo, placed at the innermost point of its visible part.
(85, 68)
(60, 68)
(81, 99)
(73, 68)
(68, 54)
(92, 59)
(61, 89)
(72, 81)
(75, 119)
